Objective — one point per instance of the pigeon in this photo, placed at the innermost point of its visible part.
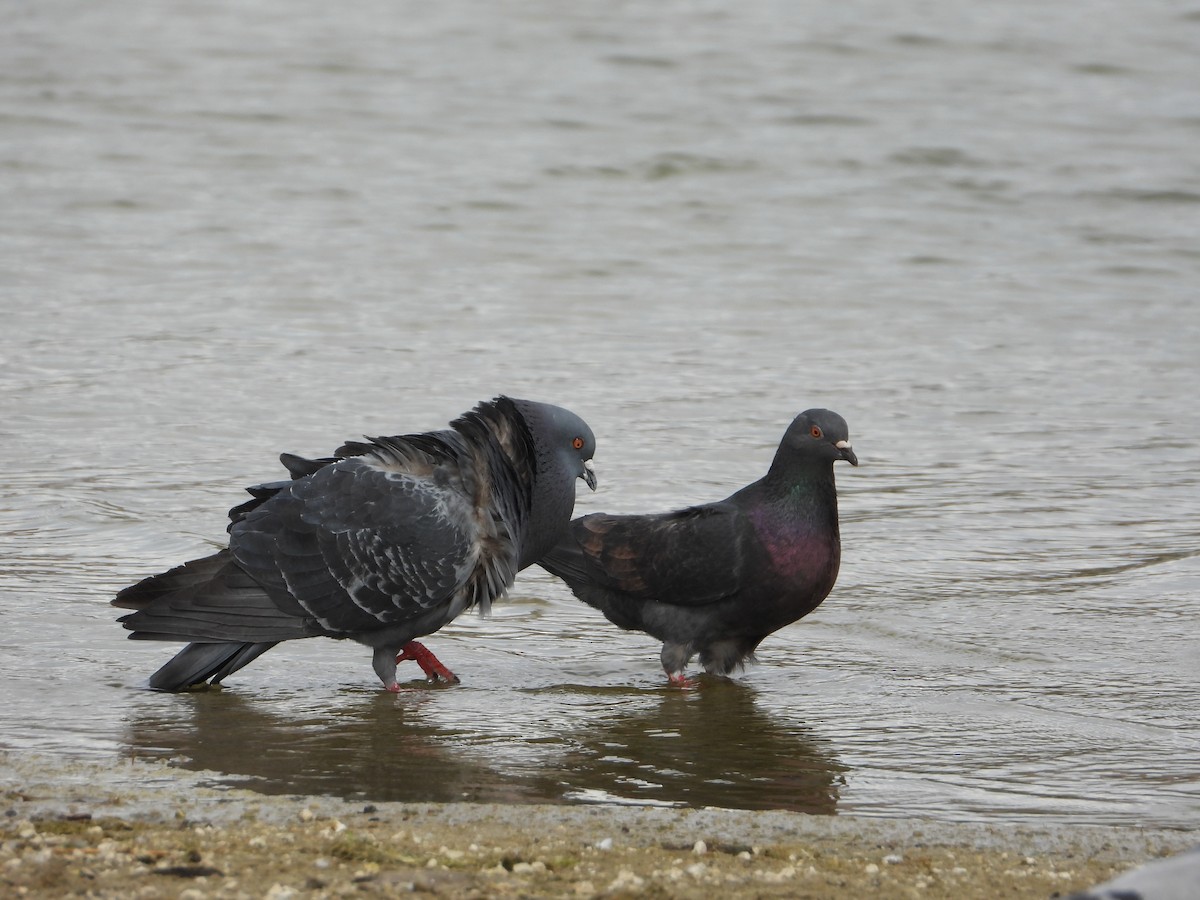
(386, 541)
(1174, 878)
(717, 579)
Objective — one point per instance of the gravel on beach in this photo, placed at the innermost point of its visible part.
(146, 829)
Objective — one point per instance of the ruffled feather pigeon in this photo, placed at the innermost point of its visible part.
(717, 579)
(384, 542)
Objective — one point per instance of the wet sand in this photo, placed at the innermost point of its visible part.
(142, 829)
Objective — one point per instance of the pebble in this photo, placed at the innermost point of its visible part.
(871, 869)
(699, 848)
(606, 844)
(785, 874)
(893, 859)
(626, 880)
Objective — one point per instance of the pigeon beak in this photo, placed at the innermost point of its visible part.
(847, 453)
(589, 474)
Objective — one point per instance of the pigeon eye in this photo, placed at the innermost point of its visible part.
(816, 432)
(577, 443)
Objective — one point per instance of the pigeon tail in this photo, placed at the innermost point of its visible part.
(209, 600)
(197, 663)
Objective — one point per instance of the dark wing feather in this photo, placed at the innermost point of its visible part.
(364, 542)
(209, 599)
(197, 663)
(691, 557)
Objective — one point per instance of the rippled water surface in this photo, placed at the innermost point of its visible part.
(235, 229)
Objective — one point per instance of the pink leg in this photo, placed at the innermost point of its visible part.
(678, 679)
(430, 665)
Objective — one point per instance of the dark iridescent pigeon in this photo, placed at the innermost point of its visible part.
(717, 579)
(384, 542)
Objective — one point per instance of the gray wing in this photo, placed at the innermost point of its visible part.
(691, 557)
(362, 545)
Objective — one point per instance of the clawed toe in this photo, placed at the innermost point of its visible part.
(432, 667)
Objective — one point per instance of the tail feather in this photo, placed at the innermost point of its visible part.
(197, 663)
(210, 600)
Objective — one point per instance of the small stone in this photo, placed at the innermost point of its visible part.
(787, 873)
(606, 844)
(699, 848)
(871, 869)
(522, 868)
(626, 880)
(745, 855)
(306, 815)
(893, 859)
(696, 870)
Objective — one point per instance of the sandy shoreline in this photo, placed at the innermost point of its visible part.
(147, 829)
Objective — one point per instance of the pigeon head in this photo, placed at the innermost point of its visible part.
(818, 434)
(563, 446)
(565, 443)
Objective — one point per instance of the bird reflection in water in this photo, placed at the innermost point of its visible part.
(712, 746)
(374, 749)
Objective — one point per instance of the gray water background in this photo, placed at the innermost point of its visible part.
(233, 229)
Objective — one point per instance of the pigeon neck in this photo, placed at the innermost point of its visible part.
(806, 485)
(550, 509)
(801, 473)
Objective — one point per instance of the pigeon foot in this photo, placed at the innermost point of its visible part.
(679, 680)
(430, 664)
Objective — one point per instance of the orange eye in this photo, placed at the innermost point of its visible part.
(577, 443)
(816, 432)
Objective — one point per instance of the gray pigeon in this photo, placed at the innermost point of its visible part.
(717, 579)
(1174, 878)
(386, 541)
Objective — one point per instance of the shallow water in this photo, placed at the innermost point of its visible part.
(231, 232)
